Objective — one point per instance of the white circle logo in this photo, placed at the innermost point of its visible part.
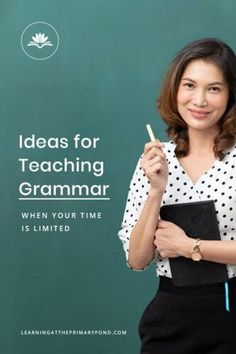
(39, 40)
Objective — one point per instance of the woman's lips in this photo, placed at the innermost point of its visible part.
(199, 113)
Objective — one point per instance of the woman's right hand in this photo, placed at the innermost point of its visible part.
(155, 166)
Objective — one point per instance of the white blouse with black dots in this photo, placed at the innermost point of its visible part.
(218, 184)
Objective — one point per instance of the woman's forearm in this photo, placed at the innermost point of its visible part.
(142, 249)
(216, 251)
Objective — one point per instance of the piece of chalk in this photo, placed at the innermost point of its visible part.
(150, 132)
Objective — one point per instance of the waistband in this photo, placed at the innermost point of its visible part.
(166, 285)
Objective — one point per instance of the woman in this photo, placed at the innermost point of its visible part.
(198, 104)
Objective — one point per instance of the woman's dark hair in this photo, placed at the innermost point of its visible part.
(219, 53)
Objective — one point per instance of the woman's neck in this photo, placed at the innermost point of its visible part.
(201, 142)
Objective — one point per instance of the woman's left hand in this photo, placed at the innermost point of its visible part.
(171, 241)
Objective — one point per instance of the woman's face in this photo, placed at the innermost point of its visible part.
(202, 95)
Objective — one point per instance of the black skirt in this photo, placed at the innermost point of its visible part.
(189, 320)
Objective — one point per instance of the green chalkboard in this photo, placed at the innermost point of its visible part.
(65, 287)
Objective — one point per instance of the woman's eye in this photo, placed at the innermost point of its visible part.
(189, 85)
(214, 89)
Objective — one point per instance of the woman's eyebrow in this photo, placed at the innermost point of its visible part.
(211, 83)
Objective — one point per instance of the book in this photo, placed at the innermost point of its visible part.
(198, 220)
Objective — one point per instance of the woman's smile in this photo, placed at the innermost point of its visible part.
(199, 113)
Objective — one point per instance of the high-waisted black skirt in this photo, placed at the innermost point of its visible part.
(189, 320)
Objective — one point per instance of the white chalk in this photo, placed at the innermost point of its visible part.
(150, 132)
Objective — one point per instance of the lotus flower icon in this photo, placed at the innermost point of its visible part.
(40, 41)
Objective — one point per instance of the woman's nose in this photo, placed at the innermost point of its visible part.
(199, 98)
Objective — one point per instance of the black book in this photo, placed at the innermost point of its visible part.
(197, 219)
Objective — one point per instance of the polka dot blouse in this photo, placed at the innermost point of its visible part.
(218, 184)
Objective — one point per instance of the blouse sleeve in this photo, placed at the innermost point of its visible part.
(137, 195)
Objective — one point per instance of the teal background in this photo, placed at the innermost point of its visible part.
(103, 81)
